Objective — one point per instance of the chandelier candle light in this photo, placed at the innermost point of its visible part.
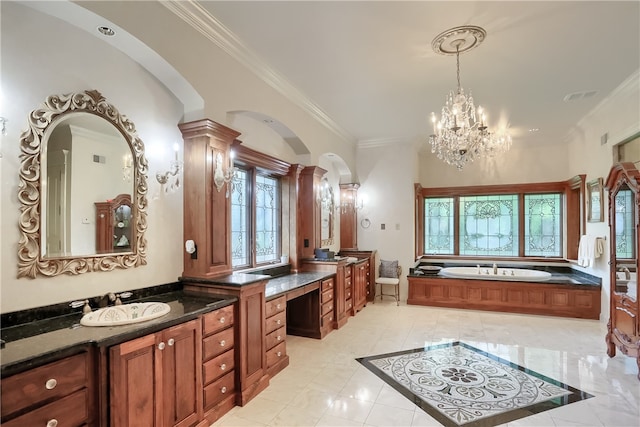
(461, 135)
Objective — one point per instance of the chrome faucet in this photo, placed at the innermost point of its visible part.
(495, 268)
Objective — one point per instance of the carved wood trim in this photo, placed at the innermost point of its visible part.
(30, 261)
(261, 161)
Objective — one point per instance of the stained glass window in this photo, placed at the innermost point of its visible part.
(625, 241)
(267, 219)
(542, 231)
(489, 225)
(240, 219)
(259, 228)
(438, 230)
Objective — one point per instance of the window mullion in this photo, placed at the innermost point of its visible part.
(456, 225)
(521, 226)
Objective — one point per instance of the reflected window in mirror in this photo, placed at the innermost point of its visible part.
(326, 201)
(624, 222)
(79, 150)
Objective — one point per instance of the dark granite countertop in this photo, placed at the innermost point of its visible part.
(280, 285)
(559, 275)
(35, 343)
(234, 279)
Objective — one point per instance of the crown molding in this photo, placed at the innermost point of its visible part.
(380, 142)
(202, 21)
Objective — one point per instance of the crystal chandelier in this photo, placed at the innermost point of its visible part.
(461, 135)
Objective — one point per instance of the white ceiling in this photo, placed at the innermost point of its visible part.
(370, 67)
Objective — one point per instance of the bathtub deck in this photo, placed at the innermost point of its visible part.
(543, 298)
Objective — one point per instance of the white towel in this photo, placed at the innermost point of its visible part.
(589, 249)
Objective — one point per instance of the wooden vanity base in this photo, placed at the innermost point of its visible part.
(580, 301)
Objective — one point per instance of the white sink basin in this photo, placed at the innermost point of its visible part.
(125, 314)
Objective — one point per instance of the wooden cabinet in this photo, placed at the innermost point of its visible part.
(114, 231)
(360, 284)
(156, 380)
(348, 293)
(60, 393)
(218, 363)
(623, 329)
(276, 334)
(370, 257)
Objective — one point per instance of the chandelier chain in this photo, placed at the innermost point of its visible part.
(458, 66)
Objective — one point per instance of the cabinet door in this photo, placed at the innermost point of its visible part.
(134, 367)
(181, 374)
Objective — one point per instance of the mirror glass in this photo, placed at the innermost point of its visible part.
(82, 190)
(88, 161)
(327, 206)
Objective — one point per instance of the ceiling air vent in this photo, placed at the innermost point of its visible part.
(575, 96)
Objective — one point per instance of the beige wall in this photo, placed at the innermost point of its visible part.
(386, 172)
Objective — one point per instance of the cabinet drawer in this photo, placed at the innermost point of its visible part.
(69, 411)
(277, 321)
(275, 306)
(347, 271)
(217, 320)
(326, 285)
(348, 304)
(276, 337)
(218, 366)
(326, 296)
(276, 353)
(347, 294)
(217, 344)
(327, 320)
(326, 307)
(215, 392)
(45, 382)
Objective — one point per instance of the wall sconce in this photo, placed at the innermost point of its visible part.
(174, 169)
(348, 202)
(127, 166)
(220, 176)
(325, 195)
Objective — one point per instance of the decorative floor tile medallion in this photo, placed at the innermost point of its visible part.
(459, 385)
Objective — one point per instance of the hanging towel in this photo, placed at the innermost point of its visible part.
(589, 249)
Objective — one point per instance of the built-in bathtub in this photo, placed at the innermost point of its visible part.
(522, 289)
(489, 273)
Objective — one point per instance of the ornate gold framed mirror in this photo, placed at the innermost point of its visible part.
(79, 153)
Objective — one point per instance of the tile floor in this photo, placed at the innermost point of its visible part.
(325, 386)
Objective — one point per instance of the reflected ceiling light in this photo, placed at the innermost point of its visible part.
(461, 134)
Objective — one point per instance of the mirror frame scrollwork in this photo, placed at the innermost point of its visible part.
(30, 260)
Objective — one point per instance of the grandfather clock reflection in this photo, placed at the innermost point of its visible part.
(113, 225)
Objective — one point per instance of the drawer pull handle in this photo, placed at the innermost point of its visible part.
(223, 390)
(222, 320)
(223, 367)
(278, 338)
(223, 343)
(278, 321)
(278, 307)
(52, 423)
(51, 384)
(279, 354)
(171, 342)
(161, 346)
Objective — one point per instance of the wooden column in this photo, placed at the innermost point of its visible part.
(309, 211)
(348, 216)
(207, 210)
